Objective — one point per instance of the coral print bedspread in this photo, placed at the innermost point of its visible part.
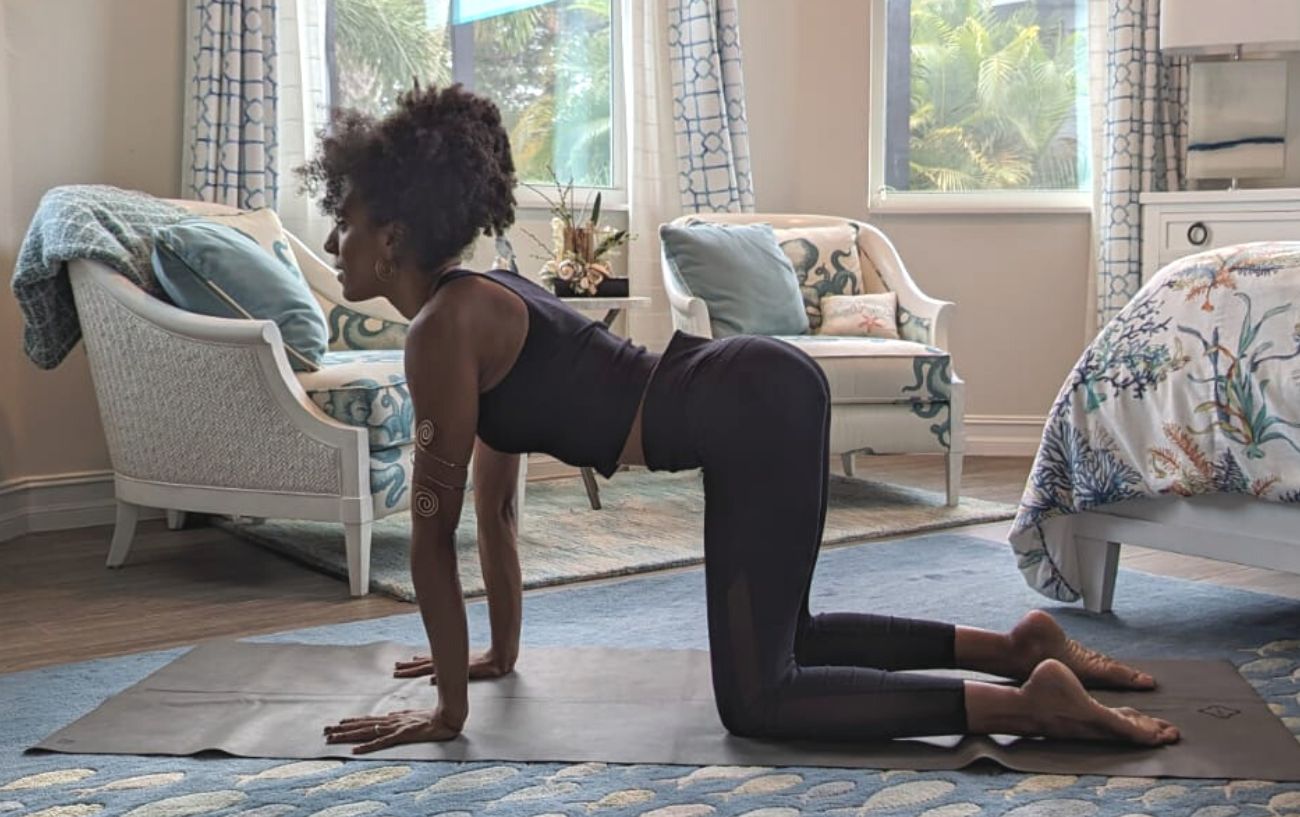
(1193, 389)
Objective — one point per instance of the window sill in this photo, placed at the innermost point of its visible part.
(538, 208)
(612, 199)
(981, 203)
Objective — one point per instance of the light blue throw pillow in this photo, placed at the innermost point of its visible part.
(742, 275)
(213, 269)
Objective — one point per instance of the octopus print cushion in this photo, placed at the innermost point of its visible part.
(826, 262)
(873, 316)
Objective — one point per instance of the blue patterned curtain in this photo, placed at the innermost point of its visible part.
(1143, 145)
(231, 129)
(709, 106)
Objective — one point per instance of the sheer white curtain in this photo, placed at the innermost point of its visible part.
(653, 195)
(304, 101)
(1098, 11)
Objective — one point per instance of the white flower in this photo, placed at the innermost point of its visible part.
(567, 270)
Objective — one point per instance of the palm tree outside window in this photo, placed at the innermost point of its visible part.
(986, 95)
(548, 65)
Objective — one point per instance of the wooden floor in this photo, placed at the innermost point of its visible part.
(58, 603)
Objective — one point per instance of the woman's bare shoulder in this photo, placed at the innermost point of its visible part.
(462, 311)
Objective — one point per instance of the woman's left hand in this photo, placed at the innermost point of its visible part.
(382, 731)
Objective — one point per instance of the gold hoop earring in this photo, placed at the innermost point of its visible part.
(384, 270)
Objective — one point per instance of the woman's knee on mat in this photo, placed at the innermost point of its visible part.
(752, 713)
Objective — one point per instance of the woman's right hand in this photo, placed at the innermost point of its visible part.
(481, 666)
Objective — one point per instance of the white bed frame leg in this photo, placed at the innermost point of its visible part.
(175, 519)
(357, 539)
(1098, 566)
(850, 466)
(123, 533)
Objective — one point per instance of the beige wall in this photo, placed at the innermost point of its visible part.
(93, 96)
(1019, 281)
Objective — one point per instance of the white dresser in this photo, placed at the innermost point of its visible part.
(1179, 224)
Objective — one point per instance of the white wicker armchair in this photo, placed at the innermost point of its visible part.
(888, 397)
(205, 414)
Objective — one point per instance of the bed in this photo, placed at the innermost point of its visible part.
(1178, 429)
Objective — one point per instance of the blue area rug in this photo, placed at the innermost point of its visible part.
(945, 576)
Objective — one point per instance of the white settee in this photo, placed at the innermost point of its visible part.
(888, 396)
(205, 414)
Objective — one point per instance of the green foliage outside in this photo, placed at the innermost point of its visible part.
(548, 68)
(993, 98)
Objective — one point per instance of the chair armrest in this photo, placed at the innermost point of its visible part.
(935, 316)
(689, 313)
(190, 399)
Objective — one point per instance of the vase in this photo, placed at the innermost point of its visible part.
(580, 242)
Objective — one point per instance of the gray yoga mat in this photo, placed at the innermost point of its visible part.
(624, 706)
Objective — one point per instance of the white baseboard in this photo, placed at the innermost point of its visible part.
(84, 500)
(1003, 435)
(61, 502)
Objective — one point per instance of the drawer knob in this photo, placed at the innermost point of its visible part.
(1198, 234)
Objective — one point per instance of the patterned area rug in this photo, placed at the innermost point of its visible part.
(647, 522)
(942, 576)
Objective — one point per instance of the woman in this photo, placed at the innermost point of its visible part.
(493, 355)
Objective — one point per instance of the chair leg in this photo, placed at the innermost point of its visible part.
(521, 487)
(952, 467)
(357, 539)
(123, 533)
(850, 465)
(175, 519)
(593, 490)
(1098, 566)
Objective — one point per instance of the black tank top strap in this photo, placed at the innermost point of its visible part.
(451, 275)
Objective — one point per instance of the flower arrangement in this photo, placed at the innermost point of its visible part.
(578, 256)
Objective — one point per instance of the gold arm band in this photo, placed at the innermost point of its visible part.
(440, 484)
(424, 452)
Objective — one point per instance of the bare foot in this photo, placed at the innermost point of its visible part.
(1062, 708)
(1038, 637)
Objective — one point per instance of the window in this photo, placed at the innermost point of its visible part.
(982, 97)
(549, 65)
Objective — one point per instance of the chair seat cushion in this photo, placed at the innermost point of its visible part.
(879, 370)
(367, 389)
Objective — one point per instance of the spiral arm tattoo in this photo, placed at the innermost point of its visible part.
(424, 433)
(425, 502)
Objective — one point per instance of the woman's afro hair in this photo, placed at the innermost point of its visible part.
(439, 166)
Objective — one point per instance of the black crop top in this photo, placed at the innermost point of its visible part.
(572, 393)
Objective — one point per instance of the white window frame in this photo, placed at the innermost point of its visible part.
(983, 201)
(613, 198)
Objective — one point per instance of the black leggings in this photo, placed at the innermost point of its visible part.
(754, 414)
